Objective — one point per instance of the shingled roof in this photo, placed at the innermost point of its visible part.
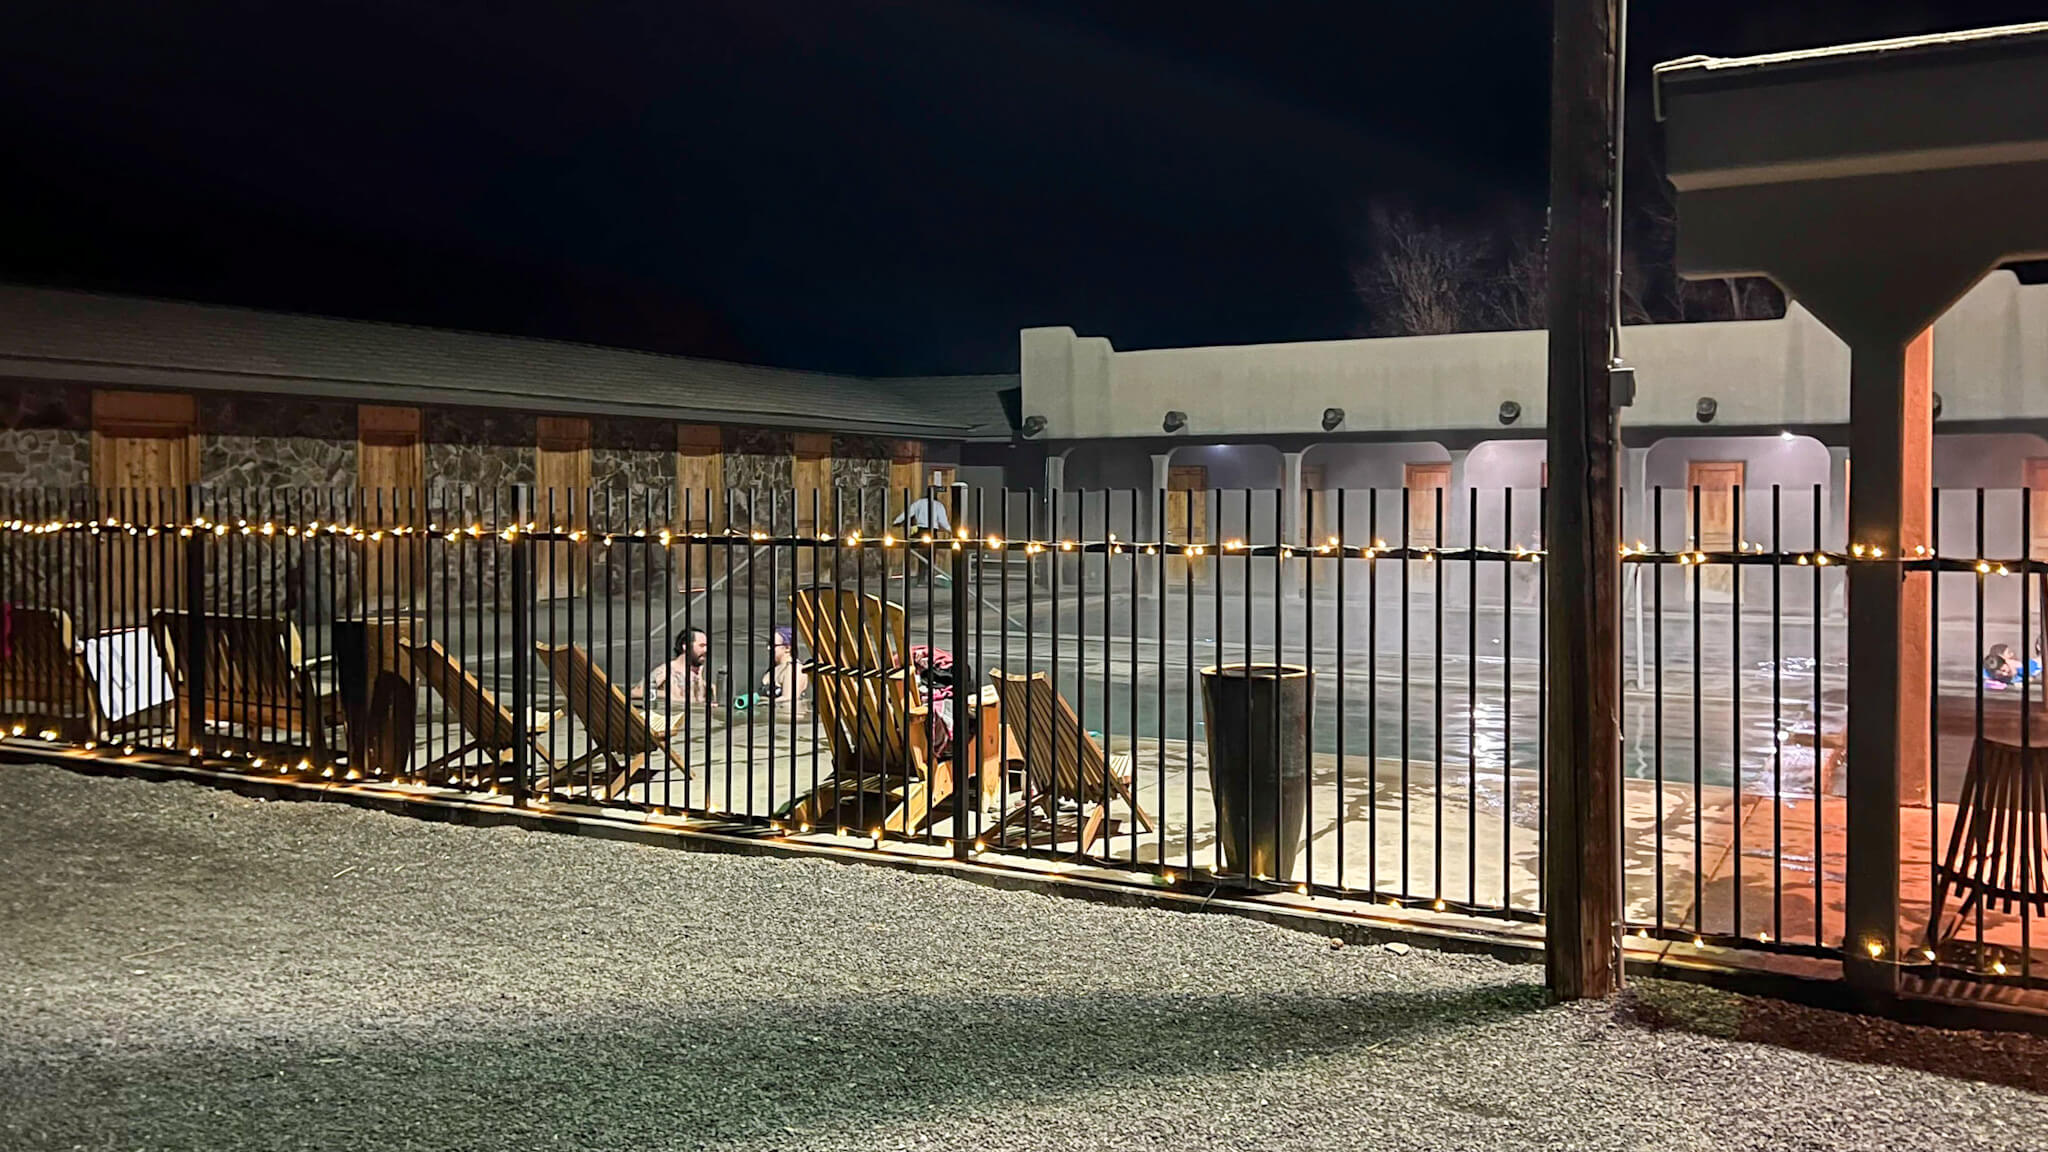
(61, 336)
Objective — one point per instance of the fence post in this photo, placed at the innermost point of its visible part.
(195, 625)
(522, 642)
(966, 688)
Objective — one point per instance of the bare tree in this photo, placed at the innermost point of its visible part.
(1519, 292)
(1422, 279)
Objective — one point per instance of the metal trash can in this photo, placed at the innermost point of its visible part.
(1257, 721)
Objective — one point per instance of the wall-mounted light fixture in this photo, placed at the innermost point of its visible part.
(1033, 425)
(1510, 411)
(1332, 417)
(1175, 421)
(1937, 405)
(1705, 409)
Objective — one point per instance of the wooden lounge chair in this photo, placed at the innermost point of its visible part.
(1998, 850)
(256, 679)
(884, 770)
(44, 680)
(620, 735)
(1068, 782)
(488, 725)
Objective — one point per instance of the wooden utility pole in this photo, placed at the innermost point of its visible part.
(1582, 533)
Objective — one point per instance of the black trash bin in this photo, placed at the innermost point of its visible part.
(1257, 719)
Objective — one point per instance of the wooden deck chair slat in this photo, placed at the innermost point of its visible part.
(256, 677)
(870, 707)
(488, 724)
(44, 668)
(1065, 769)
(619, 733)
(1997, 859)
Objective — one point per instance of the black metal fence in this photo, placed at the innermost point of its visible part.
(1020, 675)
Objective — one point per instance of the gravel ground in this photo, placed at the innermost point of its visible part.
(185, 968)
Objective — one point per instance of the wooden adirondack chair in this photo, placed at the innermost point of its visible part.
(885, 771)
(256, 678)
(488, 725)
(44, 680)
(620, 735)
(1998, 850)
(1069, 784)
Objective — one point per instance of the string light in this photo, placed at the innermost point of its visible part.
(1922, 557)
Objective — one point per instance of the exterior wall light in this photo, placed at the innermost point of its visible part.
(1175, 421)
(1937, 405)
(1332, 417)
(1510, 411)
(1033, 425)
(1705, 409)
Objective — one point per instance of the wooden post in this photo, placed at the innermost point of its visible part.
(812, 492)
(1582, 873)
(700, 496)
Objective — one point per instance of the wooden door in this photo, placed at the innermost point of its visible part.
(1714, 519)
(699, 508)
(1429, 508)
(145, 455)
(561, 481)
(1187, 519)
(391, 472)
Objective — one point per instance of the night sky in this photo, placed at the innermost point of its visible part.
(870, 187)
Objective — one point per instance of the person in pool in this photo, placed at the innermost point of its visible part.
(785, 678)
(684, 679)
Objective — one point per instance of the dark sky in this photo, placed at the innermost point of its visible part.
(875, 187)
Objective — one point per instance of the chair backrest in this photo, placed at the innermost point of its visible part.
(488, 722)
(867, 699)
(1060, 758)
(610, 719)
(2000, 843)
(251, 661)
(44, 666)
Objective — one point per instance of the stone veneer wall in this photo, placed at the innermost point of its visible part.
(46, 459)
(760, 466)
(45, 437)
(633, 473)
(264, 458)
(860, 475)
(473, 459)
(479, 449)
(285, 448)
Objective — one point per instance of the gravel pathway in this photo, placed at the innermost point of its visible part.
(185, 968)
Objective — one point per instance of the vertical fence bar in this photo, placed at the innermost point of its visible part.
(1507, 698)
(1436, 564)
(1407, 806)
(966, 699)
(196, 686)
(1735, 703)
(1819, 731)
(2028, 806)
(1977, 651)
(1307, 560)
(1778, 716)
(522, 643)
(1372, 692)
(1342, 614)
(1934, 710)
(1471, 699)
